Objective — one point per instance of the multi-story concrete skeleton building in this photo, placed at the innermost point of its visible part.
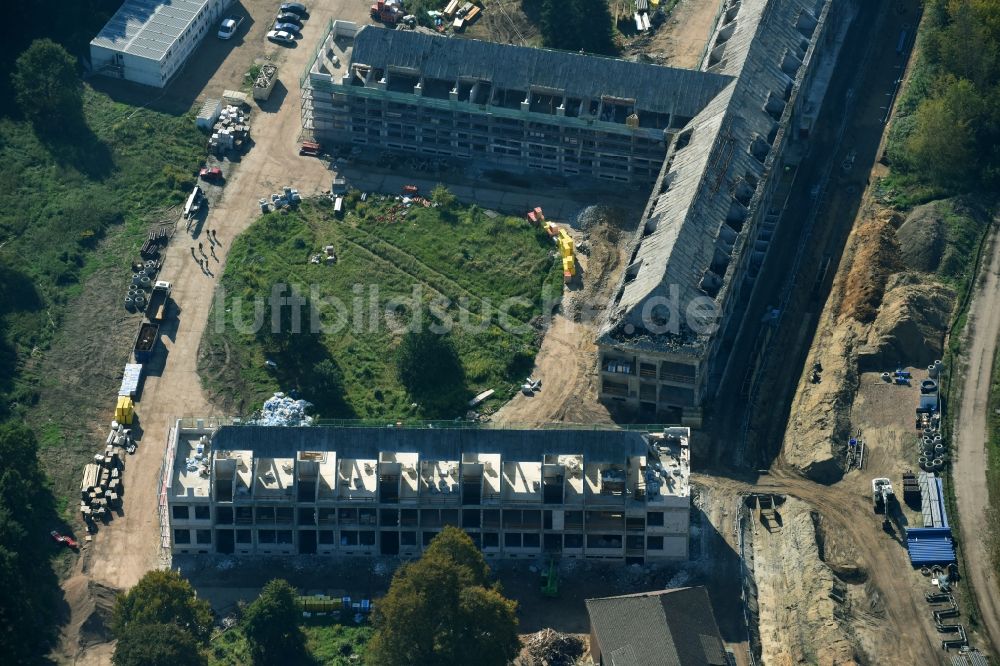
(718, 144)
(609, 494)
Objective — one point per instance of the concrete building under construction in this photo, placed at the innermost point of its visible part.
(606, 494)
(718, 145)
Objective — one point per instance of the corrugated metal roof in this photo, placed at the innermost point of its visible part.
(944, 510)
(689, 237)
(434, 443)
(654, 87)
(930, 545)
(148, 28)
(662, 628)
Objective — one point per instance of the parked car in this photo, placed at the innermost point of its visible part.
(289, 17)
(294, 7)
(210, 173)
(280, 37)
(288, 27)
(229, 26)
(65, 540)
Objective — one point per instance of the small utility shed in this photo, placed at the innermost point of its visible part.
(661, 628)
(147, 41)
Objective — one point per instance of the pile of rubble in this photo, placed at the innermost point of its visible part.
(230, 131)
(550, 648)
(281, 410)
(102, 487)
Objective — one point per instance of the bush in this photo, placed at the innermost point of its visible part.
(576, 25)
(157, 645)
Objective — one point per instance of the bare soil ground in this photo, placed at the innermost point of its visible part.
(567, 360)
(970, 437)
(122, 552)
(885, 618)
(680, 42)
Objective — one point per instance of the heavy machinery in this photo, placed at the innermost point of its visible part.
(882, 494)
(567, 250)
(158, 301)
(384, 12)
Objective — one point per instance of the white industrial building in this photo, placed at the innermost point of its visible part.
(148, 41)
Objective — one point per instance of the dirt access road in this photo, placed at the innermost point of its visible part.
(122, 552)
(130, 547)
(971, 435)
(906, 633)
(680, 42)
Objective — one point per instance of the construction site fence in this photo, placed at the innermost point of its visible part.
(166, 472)
(211, 423)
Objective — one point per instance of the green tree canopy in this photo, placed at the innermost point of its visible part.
(157, 645)
(439, 611)
(270, 624)
(29, 588)
(575, 25)
(163, 597)
(442, 196)
(943, 144)
(46, 84)
(952, 139)
(429, 368)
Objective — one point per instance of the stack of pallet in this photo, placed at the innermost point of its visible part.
(102, 487)
(151, 247)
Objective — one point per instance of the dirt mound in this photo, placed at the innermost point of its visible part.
(922, 238)
(819, 423)
(909, 328)
(90, 605)
(876, 257)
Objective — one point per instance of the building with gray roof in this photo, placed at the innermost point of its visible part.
(715, 207)
(718, 145)
(148, 41)
(576, 493)
(662, 628)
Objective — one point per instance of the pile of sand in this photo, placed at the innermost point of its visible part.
(921, 238)
(910, 326)
(876, 256)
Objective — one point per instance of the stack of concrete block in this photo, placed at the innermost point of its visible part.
(103, 486)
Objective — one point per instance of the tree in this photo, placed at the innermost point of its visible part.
(439, 611)
(29, 586)
(577, 25)
(455, 545)
(46, 84)
(943, 145)
(157, 645)
(163, 597)
(442, 196)
(270, 624)
(429, 368)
